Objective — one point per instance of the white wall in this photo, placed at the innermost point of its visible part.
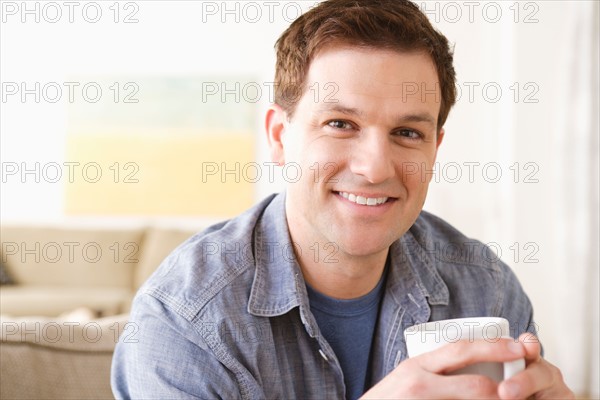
(534, 47)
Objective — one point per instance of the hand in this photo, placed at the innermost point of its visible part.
(423, 376)
(540, 379)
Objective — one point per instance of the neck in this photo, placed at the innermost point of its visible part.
(337, 274)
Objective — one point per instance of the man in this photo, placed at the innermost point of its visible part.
(307, 294)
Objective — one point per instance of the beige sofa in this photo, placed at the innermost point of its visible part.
(49, 348)
(57, 270)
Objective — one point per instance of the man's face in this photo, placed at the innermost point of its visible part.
(365, 136)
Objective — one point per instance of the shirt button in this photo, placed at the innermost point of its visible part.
(323, 355)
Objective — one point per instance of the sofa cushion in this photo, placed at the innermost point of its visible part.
(43, 358)
(23, 300)
(71, 257)
(158, 244)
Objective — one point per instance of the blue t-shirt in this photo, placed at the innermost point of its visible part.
(348, 326)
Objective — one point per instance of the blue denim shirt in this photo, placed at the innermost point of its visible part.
(226, 315)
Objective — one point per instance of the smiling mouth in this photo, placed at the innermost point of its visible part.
(365, 201)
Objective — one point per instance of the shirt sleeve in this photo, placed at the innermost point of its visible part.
(516, 306)
(160, 356)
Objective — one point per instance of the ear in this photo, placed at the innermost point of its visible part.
(275, 127)
(439, 139)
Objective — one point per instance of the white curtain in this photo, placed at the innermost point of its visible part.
(576, 191)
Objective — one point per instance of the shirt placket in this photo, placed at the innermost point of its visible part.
(330, 367)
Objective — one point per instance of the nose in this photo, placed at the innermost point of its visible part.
(372, 158)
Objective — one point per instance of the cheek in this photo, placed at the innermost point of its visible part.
(321, 162)
(414, 185)
(417, 173)
(325, 172)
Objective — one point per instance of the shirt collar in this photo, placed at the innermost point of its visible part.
(278, 283)
(413, 279)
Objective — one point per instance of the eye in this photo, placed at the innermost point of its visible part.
(409, 134)
(339, 124)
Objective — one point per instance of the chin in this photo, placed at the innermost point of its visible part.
(361, 247)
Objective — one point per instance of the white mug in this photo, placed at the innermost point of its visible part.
(430, 336)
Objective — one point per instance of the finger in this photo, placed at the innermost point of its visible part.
(432, 386)
(469, 387)
(458, 355)
(533, 348)
(538, 377)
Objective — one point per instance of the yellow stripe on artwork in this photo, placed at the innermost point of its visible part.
(159, 173)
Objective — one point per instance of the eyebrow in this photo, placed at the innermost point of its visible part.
(336, 107)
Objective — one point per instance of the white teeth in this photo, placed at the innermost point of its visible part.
(368, 201)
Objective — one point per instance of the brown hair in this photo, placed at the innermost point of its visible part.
(387, 24)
